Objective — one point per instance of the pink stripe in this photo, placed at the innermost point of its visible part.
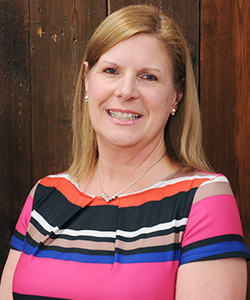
(23, 221)
(213, 216)
(72, 280)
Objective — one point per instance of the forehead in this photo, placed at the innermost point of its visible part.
(140, 48)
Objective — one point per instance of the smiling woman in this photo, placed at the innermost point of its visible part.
(134, 78)
(139, 215)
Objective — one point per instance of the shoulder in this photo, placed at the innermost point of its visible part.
(201, 181)
(212, 185)
(53, 183)
(53, 179)
(58, 181)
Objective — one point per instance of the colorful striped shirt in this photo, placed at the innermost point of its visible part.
(77, 246)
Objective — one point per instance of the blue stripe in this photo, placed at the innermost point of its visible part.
(16, 243)
(172, 255)
(103, 259)
(214, 249)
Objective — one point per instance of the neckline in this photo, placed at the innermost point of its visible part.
(161, 183)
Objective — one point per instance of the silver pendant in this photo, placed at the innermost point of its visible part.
(108, 199)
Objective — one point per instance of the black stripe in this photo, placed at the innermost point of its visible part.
(17, 296)
(213, 240)
(225, 255)
(154, 249)
(18, 235)
(76, 250)
(155, 212)
(152, 234)
(58, 211)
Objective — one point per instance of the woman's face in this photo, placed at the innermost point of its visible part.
(131, 93)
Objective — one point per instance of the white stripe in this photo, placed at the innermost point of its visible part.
(185, 178)
(147, 230)
(35, 215)
(107, 234)
(216, 179)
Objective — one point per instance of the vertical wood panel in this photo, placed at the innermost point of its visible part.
(58, 33)
(242, 75)
(15, 157)
(225, 104)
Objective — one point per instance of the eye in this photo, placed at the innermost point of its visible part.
(150, 77)
(110, 71)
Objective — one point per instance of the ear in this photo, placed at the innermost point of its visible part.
(178, 98)
(85, 74)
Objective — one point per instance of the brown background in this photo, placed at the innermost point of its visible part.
(41, 47)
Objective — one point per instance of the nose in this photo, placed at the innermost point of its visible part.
(127, 88)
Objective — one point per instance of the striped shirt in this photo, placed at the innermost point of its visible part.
(77, 246)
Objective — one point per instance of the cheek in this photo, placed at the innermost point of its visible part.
(98, 92)
(160, 103)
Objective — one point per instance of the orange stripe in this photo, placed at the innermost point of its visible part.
(79, 198)
(68, 190)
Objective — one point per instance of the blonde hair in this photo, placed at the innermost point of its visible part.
(183, 136)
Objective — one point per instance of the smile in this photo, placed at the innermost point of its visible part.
(123, 116)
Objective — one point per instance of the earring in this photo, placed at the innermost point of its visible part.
(86, 98)
(173, 111)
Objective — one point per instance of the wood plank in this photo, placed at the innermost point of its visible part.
(225, 76)
(242, 140)
(58, 33)
(184, 13)
(218, 95)
(15, 157)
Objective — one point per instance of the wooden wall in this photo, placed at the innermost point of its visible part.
(41, 48)
(224, 94)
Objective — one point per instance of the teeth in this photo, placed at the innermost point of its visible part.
(123, 116)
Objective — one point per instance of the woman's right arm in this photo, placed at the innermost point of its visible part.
(14, 255)
(8, 273)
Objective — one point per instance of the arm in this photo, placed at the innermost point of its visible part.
(8, 273)
(14, 255)
(223, 279)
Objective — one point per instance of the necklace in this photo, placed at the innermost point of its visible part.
(108, 199)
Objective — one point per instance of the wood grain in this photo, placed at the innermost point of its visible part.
(59, 30)
(15, 156)
(225, 103)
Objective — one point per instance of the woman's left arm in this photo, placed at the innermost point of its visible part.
(221, 279)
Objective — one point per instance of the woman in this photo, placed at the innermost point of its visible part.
(138, 215)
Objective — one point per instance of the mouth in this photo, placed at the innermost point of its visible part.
(123, 116)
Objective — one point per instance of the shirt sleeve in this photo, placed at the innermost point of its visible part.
(18, 237)
(214, 228)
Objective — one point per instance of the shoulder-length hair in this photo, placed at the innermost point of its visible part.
(183, 136)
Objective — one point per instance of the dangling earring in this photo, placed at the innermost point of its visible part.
(86, 98)
(173, 111)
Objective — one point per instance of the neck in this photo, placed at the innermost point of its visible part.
(120, 167)
(117, 160)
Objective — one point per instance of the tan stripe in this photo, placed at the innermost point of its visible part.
(36, 235)
(212, 189)
(105, 246)
(89, 245)
(163, 240)
(47, 241)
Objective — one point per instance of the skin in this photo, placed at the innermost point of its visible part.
(223, 279)
(135, 76)
(7, 276)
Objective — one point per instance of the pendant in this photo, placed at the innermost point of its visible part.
(108, 199)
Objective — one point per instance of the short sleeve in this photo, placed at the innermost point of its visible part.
(18, 237)
(213, 228)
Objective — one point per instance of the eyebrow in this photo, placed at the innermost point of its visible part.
(145, 69)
